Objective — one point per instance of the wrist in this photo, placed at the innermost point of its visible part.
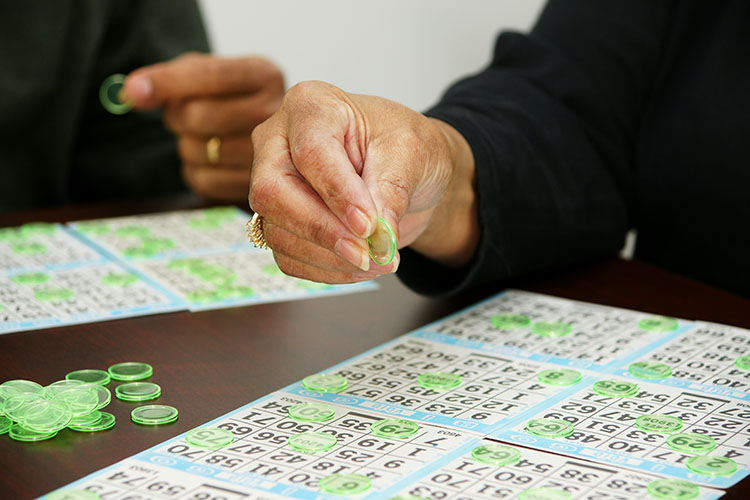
(452, 234)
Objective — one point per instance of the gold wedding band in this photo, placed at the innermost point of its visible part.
(213, 145)
(255, 232)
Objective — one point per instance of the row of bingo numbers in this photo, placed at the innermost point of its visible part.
(449, 381)
(576, 333)
(302, 447)
(709, 357)
(660, 428)
(492, 470)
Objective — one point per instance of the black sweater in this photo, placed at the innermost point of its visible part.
(609, 116)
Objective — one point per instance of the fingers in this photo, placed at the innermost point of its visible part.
(302, 259)
(197, 75)
(233, 150)
(284, 198)
(327, 148)
(221, 116)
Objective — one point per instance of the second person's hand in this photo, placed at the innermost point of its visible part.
(212, 104)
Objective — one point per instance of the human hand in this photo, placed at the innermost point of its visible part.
(212, 104)
(328, 163)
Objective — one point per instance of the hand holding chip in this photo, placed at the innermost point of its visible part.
(212, 104)
(329, 163)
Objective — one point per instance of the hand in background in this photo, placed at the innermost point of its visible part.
(212, 104)
(328, 163)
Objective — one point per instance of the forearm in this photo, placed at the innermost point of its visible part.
(453, 232)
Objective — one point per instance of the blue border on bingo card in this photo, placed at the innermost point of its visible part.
(616, 458)
(688, 385)
(281, 296)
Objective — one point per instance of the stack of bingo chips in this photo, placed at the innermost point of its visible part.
(30, 412)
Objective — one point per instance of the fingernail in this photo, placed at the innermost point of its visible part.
(138, 87)
(359, 222)
(353, 254)
(395, 263)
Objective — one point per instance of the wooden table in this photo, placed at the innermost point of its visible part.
(209, 363)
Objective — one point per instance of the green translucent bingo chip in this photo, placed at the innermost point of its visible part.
(46, 416)
(82, 399)
(90, 376)
(13, 387)
(30, 278)
(53, 294)
(545, 494)
(659, 424)
(87, 419)
(209, 438)
(15, 406)
(55, 388)
(154, 414)
(323, 382)
(38, 228)
(496, 454)
(551, 329)
(203, 296)
(559, 376)
(20, 433)
(30, 248)
(658, 324)
(136, 231)
(394, 428)
(510, 321)
(743, 362)
(5, 424)
(345, 484)
(72, 495)
(382, 243)
(708, 465)
(439, 380)
(312, 442)
(673, 489)
(312, 412)
(549, 427)
(104, 422)
(109, 95)
(690, 442)
(130, 370)
(650, 370)
(138, 391)
(93, 227)
(615, 388)
(120, 279)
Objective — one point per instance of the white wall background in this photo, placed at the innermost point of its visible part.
(405, 50)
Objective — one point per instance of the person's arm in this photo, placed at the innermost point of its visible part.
(552, 126)
(549, 128)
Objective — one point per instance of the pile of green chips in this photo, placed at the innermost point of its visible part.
(30, 412)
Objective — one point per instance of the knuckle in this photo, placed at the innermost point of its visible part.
(262, 194)
(195, 116)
